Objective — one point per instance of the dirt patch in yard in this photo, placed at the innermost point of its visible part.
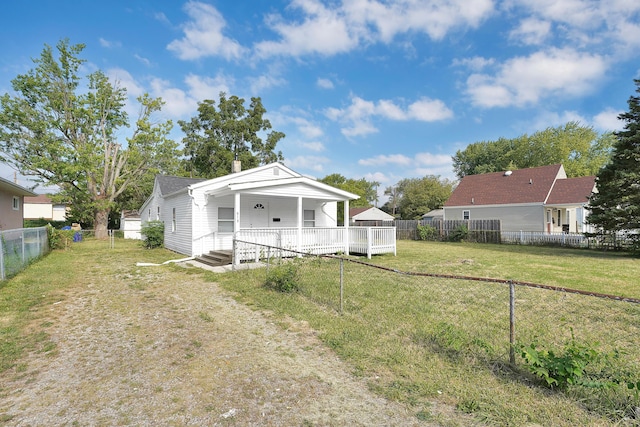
(157, 346)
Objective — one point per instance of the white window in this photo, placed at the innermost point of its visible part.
(466, 214)
(309, 218)
(16, 203)
(225, 220)
(157, 213)
(559, 217)
(173, 220)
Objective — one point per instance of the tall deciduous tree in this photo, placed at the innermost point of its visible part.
(64, 132)
(580, 149)
(421, 195)
(218, 135)
(616, 205)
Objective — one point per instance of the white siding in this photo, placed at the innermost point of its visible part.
(514, 218)
(180, 240)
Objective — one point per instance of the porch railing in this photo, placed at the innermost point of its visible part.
(318, 240)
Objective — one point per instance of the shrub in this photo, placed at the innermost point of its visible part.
(59, 239)
(560, 370)
(426, 232)
(459, 234)
(153, 233)
(283, 278)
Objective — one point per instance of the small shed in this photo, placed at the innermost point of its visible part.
(131, 225)
(434, 214)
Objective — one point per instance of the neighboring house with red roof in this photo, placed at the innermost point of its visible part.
(368, 214)
(538, 199)
(41, 206)
(12, 204)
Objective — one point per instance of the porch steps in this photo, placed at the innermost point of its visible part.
(215, 258)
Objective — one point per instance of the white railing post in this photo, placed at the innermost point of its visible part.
(369, 242)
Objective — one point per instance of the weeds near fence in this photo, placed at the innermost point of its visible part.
(421, 339)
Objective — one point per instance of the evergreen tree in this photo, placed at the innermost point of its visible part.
(616, 205)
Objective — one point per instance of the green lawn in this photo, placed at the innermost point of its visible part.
(431, 342)
(439, 345)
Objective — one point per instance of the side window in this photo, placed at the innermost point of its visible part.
(466, 214)
(16, 203)
(157, 214)
(309, 218)
(225, 220)
(173, 220)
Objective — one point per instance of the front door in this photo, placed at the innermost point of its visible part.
(259, 215)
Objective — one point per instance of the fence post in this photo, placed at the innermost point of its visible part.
(234, 254)
(512, 323)
(341, 284)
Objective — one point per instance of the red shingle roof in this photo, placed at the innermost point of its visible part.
(355, 211)
(530, 185)
(572, 190)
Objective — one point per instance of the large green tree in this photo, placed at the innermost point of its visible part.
(616, 205)
(580, 149)
(219, 134)
(63, 130)
(417, 196)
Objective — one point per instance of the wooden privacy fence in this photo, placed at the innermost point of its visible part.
(479, 230)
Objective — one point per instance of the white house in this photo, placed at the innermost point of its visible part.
(270, 204)
(540, 199)
(12, 204)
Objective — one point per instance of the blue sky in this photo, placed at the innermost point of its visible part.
(380, 89)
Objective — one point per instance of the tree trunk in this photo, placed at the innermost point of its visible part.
(100, 224)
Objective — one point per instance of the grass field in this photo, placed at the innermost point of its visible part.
(431, 341)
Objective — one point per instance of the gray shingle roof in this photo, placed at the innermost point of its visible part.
(170, 184)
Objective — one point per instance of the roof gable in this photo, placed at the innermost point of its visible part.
(532, 185)
(369, 214)
(572, 190)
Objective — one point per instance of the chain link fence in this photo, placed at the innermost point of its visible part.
(485, 320)
(19, 247)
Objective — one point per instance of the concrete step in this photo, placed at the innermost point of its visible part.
(215, 258)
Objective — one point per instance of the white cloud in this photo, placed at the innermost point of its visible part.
(323, 31)
(532, 31)
(261, 83)
(434, 18)
(108, 43)
(380, 160)
(358, 116)
(324, 83)
(202, 87)
(607, 120)
(349, 24)
(477, 63)
(203, 35)
(525, 80)
(122, 78)
(143, 60)
(313, 146)
(428, 159)
(314, 163)
(429, 110)
(177, 102)
(377, 177)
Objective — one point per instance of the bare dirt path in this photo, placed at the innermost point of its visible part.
(157, 346)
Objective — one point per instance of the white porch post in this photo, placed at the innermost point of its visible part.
(346, 227)
(300, 222)
(236, 224)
